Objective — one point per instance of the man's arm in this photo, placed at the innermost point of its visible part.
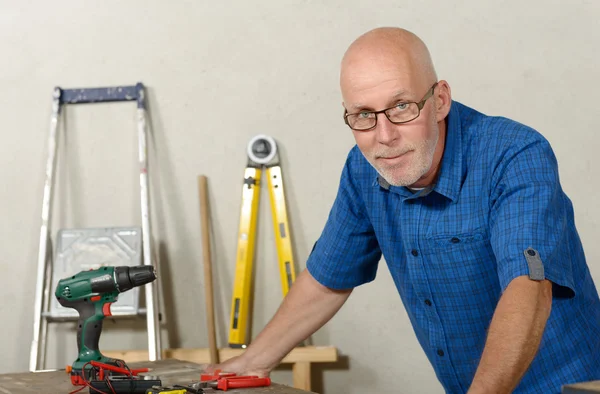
(306, 308)
(514, 335)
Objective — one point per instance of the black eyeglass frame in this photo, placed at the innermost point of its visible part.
(420, 106)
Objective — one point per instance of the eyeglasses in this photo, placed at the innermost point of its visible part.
(400, 113)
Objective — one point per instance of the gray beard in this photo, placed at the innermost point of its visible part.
(413, 174)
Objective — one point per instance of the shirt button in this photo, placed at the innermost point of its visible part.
(440, 352)
(455, 240)
(414, 252)
(427, 302)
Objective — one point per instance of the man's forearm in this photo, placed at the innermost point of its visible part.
(514, 336)
(306, 308)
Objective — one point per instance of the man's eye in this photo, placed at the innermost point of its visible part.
(402, 106)
(364, 115)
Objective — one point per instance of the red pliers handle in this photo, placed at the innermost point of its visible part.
(225, 381)
(238, 382)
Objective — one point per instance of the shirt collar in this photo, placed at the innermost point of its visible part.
(451, 170)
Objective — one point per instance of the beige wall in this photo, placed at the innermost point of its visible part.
(219, 73)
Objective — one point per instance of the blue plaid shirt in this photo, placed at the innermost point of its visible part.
(453, 248)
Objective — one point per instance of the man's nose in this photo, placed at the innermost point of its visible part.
(386, 132)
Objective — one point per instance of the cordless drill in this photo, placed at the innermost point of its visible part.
(91, 293)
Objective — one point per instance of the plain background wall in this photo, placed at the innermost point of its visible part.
(220, 72)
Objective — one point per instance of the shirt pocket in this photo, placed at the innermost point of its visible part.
(464, 247)
(463, 259)
(456, 240)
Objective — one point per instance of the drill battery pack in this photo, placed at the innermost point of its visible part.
(125, 384)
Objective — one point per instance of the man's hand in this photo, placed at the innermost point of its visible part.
(514, 336)
(306, 308)
(239, 365)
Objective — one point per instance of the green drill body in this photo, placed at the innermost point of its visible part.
(91, 293)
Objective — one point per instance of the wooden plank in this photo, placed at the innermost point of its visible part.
(312, 354)
(170, 372)
(208, 277)
(301, 372)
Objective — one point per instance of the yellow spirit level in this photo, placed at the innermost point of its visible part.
(262, 152)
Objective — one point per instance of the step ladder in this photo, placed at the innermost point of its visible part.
(89, 248)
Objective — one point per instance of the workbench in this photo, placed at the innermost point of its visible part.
(170, 371)
(301, 358)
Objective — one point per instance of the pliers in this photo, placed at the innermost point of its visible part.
(225, 381)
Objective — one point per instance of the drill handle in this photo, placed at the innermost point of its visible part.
(89, 328)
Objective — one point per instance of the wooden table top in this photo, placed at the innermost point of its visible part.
(169, 371)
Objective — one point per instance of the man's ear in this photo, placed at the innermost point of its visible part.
(344, 109)
(443, 100)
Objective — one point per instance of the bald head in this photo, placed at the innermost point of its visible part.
(388, 70)
(384, 50)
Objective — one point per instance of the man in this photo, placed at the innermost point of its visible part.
(469, 214)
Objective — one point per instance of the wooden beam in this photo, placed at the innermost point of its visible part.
(301, 374)
(304, 354)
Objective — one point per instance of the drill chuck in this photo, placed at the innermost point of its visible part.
(129, 277)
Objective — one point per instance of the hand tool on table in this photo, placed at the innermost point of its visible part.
(217, 381)
(224, 384)
(91, 293)
(224, 381)
(171, 390)
(234, 382)
(262, 152)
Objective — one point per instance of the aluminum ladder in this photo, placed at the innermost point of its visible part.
(113, 246)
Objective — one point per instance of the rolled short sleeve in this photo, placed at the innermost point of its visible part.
(347, 253)
(531, 219)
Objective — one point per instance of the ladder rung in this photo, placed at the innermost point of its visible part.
(100, 95)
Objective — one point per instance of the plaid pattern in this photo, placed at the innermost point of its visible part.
(452, 249)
